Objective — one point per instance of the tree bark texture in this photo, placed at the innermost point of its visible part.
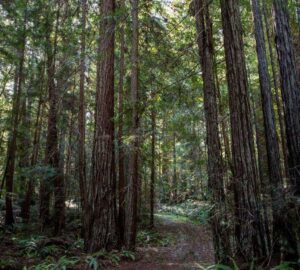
(121, 154)
(215, 165)
(132, 189)
(101, 216)
(249, 234)
(153, 168)
(8, 177)
(290, 90)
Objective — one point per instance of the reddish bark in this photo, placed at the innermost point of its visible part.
(101, 217)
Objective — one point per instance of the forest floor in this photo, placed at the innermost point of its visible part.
(192, 247)
(180, 240)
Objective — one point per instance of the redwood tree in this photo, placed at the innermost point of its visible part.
(81, 116)
(153, 169)
(132, 190)
(121, 153)
(290, 90)
(282, 225)
(55, 178)
(8, 177)
(101, 230)
(248, 223)
(291, 100)
(215, 164)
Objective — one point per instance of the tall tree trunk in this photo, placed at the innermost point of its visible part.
(291, 99)
(278, 201)
(120, 133)
(277, 96)
(153, 168)
(164, 165)
(290, 90)
(25, 140)
(248, 222)
(102, 229)
(224, 122)
(12, 142)
(81, 116)
(132, 196)
(52, 151)
(215, 166)
(25, 211)
(52, 141)
(263, 169)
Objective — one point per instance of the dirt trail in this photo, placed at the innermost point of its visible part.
(193, 247)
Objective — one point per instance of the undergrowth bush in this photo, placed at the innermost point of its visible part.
(153, 238)
(195, 210)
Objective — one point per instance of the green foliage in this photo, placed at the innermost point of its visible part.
(197, 212)
(6, 263)
(286, 266)
(92, 263)
(153, 238)
(114, 257)
(63, 263)
(29, 247)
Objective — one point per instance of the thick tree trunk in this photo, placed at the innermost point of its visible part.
(215, 166)
(248, 224)
(290, 90)
(291, 100)
(263, 169)
(132, 196)
(266, 97)
(277, 96)
(121, 153)
(101, 225)
(278, 198)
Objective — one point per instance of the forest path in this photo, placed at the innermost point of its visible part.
(191, 249)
